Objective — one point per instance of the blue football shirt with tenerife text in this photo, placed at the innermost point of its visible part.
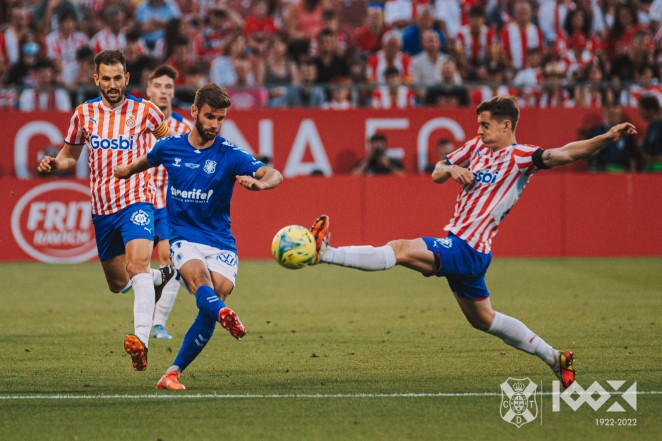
(200, 186)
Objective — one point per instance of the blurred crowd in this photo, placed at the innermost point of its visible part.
(339, 54)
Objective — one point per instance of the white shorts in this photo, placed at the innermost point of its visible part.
(225, 263)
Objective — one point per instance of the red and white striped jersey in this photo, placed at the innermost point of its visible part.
(499, 179)
(404, 99)
(105, 39)
(64, 49)
(516, 42)
(115, 137)
(475, 49)
(377, 64)
(178, 125)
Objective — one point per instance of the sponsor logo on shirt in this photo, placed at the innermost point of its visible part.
(485, 176)
(177, 162)
(195, 195)
(120, 143)
(192, 165)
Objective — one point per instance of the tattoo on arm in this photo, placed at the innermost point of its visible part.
(547, 158)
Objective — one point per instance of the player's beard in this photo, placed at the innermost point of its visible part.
(206, 135)
(120, 95)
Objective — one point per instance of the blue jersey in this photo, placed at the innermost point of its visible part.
(200, 188)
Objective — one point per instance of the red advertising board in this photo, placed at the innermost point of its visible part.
(300, 141)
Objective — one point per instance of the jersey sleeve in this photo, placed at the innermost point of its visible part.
(523, 155)
(462, 156)
(245, 163)
(155, 155)
(75, 134)
(154, 116)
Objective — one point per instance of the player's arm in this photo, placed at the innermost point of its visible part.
(162, 130)
(65, 160)
(126, 171)
(443, 171)
(580, 149)
(265, 178)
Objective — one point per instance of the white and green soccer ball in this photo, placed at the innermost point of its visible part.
(293, 247)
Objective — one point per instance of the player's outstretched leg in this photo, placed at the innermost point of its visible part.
(138, 352)
(364, 257)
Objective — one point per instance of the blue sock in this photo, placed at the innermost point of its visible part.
(196, 338)
(208, 302)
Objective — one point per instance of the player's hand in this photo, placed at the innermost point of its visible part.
(461, 175)
(122, 172)
(48, 165)
(620, 130)
(250, 183)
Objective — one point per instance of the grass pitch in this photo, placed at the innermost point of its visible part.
(332, 353)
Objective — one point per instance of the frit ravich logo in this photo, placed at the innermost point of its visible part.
(518, 401)
(53, 223)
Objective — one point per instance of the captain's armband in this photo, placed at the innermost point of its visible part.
(161, 131)
(538, 159)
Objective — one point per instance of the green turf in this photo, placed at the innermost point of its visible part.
(327, 331)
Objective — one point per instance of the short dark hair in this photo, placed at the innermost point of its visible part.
(391, 71)
(110, 57)
(649, 102)
(163, 70)
(501, 107)
(212, 94)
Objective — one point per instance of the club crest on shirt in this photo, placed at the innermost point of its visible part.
(140, 218)
(131, 122)
(210, 166)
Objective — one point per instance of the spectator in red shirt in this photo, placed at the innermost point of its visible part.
(367, 38)
(259, 27)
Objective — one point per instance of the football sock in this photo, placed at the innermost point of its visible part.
(208, 302)
(143, 305)
(156, 276)
(515, 333)
(195, 340)
(166, 302)
(365, 257)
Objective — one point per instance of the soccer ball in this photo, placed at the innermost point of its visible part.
(293, 247)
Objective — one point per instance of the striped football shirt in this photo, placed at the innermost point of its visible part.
(499, 179)
(115, 137)
(178, 125)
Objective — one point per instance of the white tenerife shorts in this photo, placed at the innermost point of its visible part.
(225, 263)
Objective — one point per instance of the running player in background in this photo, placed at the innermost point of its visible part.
(116, 129)
(202, 170)
(492, 170)
(161, 91)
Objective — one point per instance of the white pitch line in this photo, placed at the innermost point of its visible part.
(273, 396)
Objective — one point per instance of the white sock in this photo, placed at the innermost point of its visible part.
(143, 305)
(174, 367)
(367, 258)
(515, 333)
(157, 279)
(166, 302)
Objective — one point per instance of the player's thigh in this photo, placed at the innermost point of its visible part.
(223, 266)
(163, 249)
(413, 254)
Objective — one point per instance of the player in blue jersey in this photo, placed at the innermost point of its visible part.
(202, 170)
